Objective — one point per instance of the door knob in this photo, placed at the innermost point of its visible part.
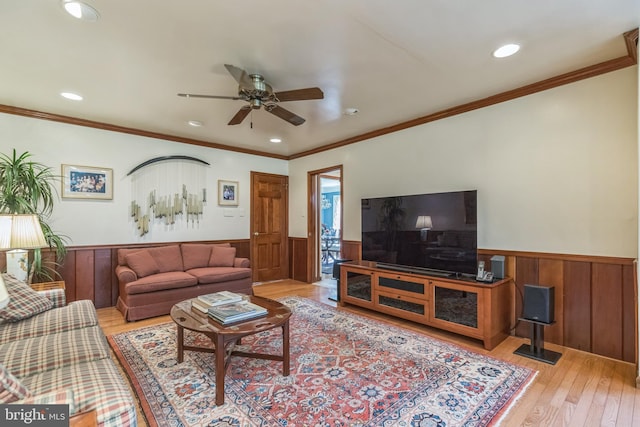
(256, 233)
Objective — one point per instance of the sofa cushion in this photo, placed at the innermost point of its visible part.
(143, 263)
(168, 258)
(160, 282)
(11, 389)
(95, 385)
(55, 397)
(222, 257)
(195, 255)
(219, 274)
(77, 314)
(24, 303)
(30, 356)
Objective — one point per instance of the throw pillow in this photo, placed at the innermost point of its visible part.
(195, 255)
(24, 301)
(222, 256)
(11, 389)
(142, 263)
(168, 258)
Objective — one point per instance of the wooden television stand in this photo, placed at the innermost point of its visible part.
(459, 304)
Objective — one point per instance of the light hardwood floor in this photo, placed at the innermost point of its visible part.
(582, 389)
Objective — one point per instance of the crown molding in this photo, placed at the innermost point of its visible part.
(9, 109)
(631, 42)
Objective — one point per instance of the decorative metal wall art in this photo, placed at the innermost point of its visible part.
(169, 191)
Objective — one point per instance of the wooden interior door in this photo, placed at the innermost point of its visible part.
(269, 226)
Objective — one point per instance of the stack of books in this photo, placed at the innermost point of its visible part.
(204, 302)
(227, 307)
(236, 312)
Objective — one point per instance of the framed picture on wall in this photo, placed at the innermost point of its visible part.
(227, 193)
(86, 182)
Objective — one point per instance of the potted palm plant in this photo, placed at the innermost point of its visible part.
(28, 187)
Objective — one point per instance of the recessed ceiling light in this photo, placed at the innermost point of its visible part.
(275, 140)
(72, 96)
(81, 10)
(195, 123)
(351, 111)
(506, 50)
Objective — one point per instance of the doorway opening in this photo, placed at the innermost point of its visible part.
(325, 222)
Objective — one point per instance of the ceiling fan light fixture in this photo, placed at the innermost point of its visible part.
(506, 50)
(81, 10)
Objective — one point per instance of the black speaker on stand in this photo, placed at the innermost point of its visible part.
(336, 276)
(538, 310)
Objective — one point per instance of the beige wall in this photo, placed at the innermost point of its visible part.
(108, 221)
(556, 171)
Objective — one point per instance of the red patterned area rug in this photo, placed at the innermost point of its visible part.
(346, 370)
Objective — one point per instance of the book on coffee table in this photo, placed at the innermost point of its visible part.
(220, 298)
(204, 302)
(235, 312)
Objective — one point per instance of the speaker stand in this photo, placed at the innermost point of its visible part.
(536, 349)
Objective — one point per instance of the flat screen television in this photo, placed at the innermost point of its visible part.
(430, 233)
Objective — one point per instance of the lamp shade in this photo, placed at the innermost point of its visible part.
(21, 232)
(4, 295)
(424, 221)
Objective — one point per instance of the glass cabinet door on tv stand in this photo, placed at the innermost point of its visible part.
(357, 286)
(457, 306)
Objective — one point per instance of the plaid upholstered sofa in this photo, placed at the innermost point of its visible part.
(53, 352)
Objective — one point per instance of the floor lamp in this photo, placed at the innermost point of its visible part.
(18, 233)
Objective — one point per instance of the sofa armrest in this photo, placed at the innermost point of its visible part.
(241, 262)
(57, 296)
(125, 274)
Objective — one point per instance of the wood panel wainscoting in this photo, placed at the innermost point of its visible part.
(596, 300)
(595, 297)
(299, 265)
(89, 271)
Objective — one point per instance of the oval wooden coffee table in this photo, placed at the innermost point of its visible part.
(224, 337)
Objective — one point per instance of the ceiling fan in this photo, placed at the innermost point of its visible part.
(258, 93)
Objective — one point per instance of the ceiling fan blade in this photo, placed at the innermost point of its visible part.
(240, 115)
(193, 95)
(300, 94)
(239, 75)
(286, 115)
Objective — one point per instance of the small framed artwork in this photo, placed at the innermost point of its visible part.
(85, 182)
(228, 193)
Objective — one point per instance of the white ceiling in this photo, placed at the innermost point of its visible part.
(392, 60)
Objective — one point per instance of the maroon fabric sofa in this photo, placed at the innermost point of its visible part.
(152, 280)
